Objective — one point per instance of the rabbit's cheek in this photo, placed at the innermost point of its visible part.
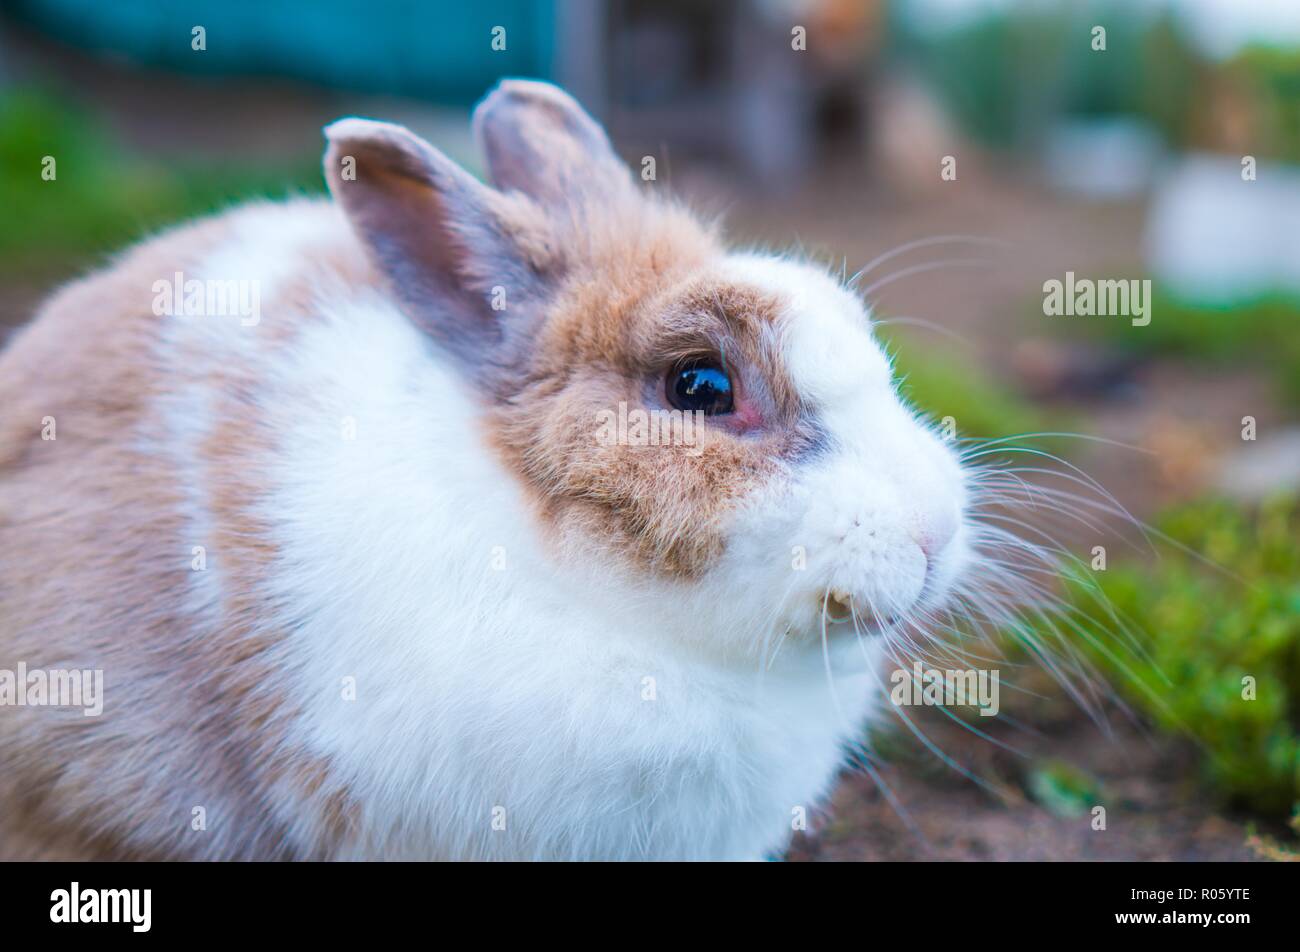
(618, 489)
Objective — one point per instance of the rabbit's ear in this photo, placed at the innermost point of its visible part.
(540, 142)
(453, 248)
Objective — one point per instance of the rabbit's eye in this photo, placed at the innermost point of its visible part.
(700, 386)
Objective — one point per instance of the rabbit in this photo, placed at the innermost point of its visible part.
(366, 578)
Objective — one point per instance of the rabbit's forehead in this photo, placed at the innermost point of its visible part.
(826, 353)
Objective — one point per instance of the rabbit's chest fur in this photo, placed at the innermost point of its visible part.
(417, 678)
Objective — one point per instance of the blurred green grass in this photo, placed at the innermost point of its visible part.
(1194, 625)
(105, 195)
(1201, 630)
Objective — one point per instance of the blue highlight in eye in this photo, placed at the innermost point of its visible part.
(704, 387)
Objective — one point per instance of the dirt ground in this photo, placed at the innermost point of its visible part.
(1153, 811)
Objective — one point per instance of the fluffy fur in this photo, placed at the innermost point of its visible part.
(438, 618)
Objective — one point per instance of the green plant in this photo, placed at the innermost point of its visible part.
(1063, 789)
(1219, 653)
(1271, 77)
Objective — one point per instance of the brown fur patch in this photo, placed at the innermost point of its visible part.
(641, 293)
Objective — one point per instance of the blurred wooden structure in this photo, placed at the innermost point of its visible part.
(726, 77)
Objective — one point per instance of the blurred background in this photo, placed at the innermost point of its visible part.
(963, 152)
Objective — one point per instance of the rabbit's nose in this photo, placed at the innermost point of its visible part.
(935, 532)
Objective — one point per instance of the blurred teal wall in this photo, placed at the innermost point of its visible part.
(427, 48)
